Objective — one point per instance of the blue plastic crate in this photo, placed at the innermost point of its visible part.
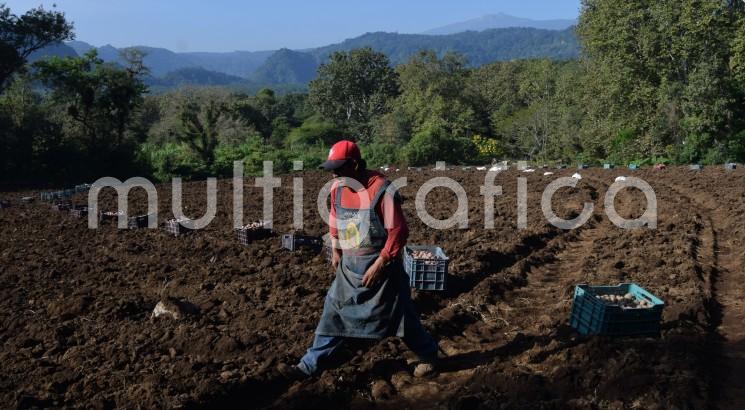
(592, 316)
(426, 274)
(293, 242)
(633, 166)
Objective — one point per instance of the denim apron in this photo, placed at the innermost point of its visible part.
(350, 309)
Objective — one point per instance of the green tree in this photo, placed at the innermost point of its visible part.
(200, 128)
(433, 143)
(354, 88)
(100, 98)
(22, 35)
(662, 67)
(434, 89)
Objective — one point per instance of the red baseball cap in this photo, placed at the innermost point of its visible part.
(340, 153)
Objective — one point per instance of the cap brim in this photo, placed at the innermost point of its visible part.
(333, 164)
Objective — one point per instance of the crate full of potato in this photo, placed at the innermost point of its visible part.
(253, 231)
(427, 267)
(623, 310)
(179, 226)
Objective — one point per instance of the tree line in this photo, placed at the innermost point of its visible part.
(658, 82)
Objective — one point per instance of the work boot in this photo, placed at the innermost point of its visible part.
(291, 373)
(425, 370)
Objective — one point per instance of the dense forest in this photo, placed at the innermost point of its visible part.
(657, 82)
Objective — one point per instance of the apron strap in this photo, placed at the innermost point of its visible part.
(373, 204)
(337, 200)
(379, 194)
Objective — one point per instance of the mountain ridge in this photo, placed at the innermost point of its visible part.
(500, 20)
(298, 67)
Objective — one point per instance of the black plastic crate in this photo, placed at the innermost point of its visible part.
(426, 274)
(137, 222)
(249, 233)
(179, 228)
(593, 316)
(82, 188)
(50, 196)
(62, 206)
(79, 212)
(293, 242)
(109, 216)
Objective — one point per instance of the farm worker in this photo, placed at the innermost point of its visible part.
(370, 296)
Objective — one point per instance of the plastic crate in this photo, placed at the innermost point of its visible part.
(79, 211)
(62, 206)
(293, 242)
(607, 166)
(177, 228)
(82, 188)
(695, 167)
(730, 166)
(583, 166)
(27, 200)
(633, 166)
(4, 204)
(592, 316)
(137, 222)
(248, 235)
(50, 196)
(108, 216)
(426, 274)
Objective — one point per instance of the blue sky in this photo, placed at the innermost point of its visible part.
(227, 25)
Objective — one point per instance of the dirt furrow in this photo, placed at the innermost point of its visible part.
(728, 290)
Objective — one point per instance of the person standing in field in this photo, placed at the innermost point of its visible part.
(370, 296)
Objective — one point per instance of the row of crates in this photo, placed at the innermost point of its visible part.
(64, 193)
(55, 195)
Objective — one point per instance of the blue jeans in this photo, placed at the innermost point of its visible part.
(415, 338)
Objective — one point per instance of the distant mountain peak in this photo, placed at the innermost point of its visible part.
(501, 20)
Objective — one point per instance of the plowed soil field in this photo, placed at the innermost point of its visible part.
(76, 303)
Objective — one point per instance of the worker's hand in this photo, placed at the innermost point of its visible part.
(335, 258)
(374, 273)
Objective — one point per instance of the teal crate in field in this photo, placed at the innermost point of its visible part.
(633, 166)
(426, 273)
(593, 316)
